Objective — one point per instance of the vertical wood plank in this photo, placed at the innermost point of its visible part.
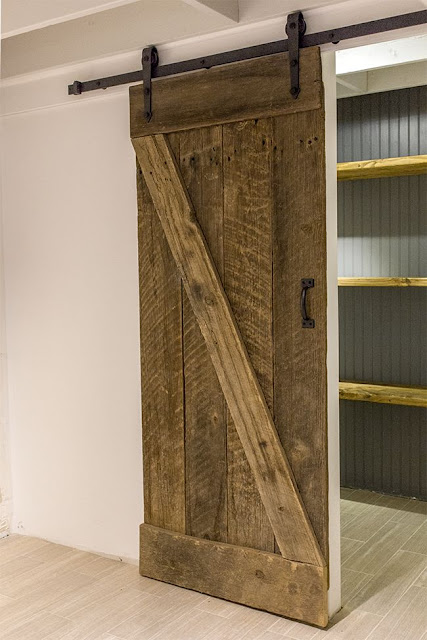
(205, 409)
(161, 371)
(300, 400)
(248, 283)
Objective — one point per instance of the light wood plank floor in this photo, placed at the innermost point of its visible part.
(51, 592)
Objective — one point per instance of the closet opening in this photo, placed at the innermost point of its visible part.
(382, 268)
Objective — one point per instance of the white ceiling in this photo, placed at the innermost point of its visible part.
(19, 16)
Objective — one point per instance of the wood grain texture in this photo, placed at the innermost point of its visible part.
(161, 371)
(239, 383)
(205, 408)
(382, 282)
(221, 94)
(300, 382)
(385, 168)
(248, 576)
(383, 394)
(248, 282)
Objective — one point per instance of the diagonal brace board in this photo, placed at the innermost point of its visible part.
(243, 394)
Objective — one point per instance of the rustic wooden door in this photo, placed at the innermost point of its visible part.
(231, 200)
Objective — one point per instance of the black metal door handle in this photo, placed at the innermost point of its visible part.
(306, 283)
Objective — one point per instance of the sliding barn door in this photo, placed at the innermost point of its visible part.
(231, 200)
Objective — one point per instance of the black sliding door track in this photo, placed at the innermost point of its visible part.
(323, 37)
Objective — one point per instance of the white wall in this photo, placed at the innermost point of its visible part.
(5, 475)
(72, 324)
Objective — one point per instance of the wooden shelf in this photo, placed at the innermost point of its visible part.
(362, 392)
(382, 282)
(386, 168)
